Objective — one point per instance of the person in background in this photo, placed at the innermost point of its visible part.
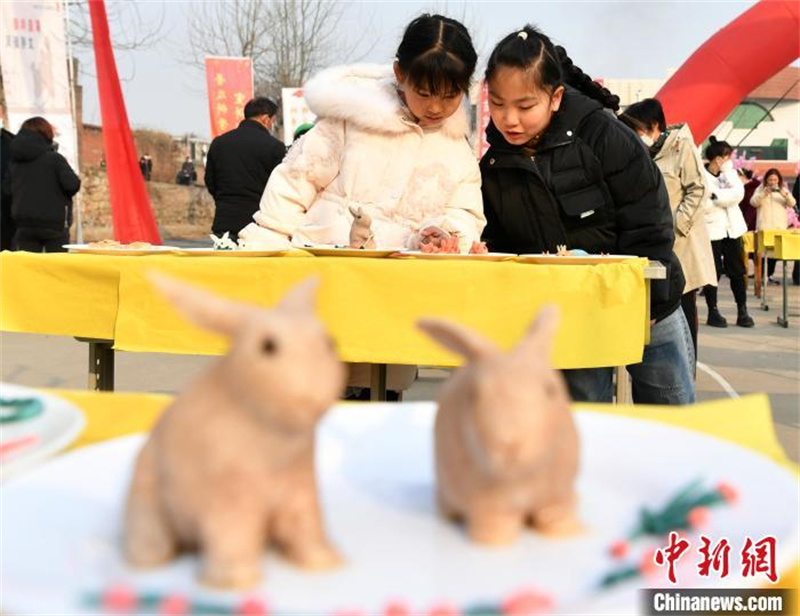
(239, 164)
(772, 201)
(561, 169)
(726, 227)
(42, 187)
(6, 221)
(143, 166)
(796, 195)
(750, 182)
(672, 149)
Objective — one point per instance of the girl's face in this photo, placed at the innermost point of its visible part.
(519, 109)
(772, 181)
(429, 110)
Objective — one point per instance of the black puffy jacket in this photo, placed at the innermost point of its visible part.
(238, 166)
(590, 185)
(42, 183)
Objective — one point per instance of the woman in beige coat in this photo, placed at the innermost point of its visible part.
(772, 200)
(389, 140)
(674, 152)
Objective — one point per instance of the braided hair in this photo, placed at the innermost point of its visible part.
(550, 66)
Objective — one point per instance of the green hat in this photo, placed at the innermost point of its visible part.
(302, 130)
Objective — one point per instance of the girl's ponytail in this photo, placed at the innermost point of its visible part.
(579, 80)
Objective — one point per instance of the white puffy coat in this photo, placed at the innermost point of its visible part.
(366, 151)
(723, 216)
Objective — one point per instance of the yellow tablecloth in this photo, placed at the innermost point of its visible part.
(748, 242)
(787, 247)
(370, 305)
(745, 421)
(766, 239)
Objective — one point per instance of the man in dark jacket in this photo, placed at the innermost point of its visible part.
(589, 185)
(42, 187)
(238, 166)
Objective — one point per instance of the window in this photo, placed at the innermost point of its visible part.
(748, 115)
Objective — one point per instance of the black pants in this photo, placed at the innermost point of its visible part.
(35, 239)
(689, 306)
(728, 260)
(771, 263)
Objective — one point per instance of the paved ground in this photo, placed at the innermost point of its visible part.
(733, 361)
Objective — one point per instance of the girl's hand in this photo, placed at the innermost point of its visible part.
(434, 239)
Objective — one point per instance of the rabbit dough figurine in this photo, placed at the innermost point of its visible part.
(506, 443)
(229, 467)
(361, 235)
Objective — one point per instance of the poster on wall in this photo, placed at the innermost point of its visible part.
(35, 70)
(230, 87)
(295, 112)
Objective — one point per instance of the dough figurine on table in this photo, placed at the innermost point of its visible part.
(361, 235)
(229, 467)
(506, 443)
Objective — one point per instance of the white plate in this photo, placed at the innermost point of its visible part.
(61, 523)
(240, 252)
(121, 251)
(55, 428)
(333, 251)
(486, 256)
(543, 259)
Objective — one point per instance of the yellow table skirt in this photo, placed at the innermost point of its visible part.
(745, 421)
(787, 247)
(370, 305)
(748, 242)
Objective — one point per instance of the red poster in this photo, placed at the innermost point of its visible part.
(230, 86)
(483, 119)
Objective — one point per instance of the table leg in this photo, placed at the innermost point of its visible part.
(101, 365)
(757, 264)
(622, 390)
(377, 383)
(783, 321)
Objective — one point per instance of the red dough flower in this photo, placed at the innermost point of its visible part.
(728, 492)
(174, 605)
(619, 549)
(252, 607)
(698, 517)
(527, 603)
(396, 608)
(119, 599)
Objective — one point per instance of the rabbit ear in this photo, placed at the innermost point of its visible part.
(355, 211)
(301, 297)
(539, 339)
(457, 338)
(202, 307)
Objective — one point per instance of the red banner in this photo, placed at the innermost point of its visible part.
(483, 119)
(230, 86)
(130, 205)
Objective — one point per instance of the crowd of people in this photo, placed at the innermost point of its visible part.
(564, 167)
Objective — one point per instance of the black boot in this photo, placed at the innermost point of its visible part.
(715, 319)
(743, 319)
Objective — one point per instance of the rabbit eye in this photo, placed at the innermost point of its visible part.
(269, 346)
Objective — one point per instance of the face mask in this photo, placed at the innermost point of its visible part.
(647, 140)
(727, 165)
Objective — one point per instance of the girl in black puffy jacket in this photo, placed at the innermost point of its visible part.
(562, 169)
(42, 187)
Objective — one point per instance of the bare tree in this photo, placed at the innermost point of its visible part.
(288, 40)
(134, 31)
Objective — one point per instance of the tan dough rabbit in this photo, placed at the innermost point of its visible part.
(506, 443)
(229, 467)
(361, 235)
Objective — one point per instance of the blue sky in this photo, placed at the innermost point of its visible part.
(623, 39)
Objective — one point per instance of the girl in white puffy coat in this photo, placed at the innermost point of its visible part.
(391, 140)
(726, 226)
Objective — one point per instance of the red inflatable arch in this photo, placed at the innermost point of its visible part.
(731, 64)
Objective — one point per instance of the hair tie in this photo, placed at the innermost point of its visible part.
(523, 35)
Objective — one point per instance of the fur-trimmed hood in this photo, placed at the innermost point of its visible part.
(365, 95)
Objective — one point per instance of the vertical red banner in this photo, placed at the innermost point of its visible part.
(230, 86)
(131, 214)
(483, 119)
